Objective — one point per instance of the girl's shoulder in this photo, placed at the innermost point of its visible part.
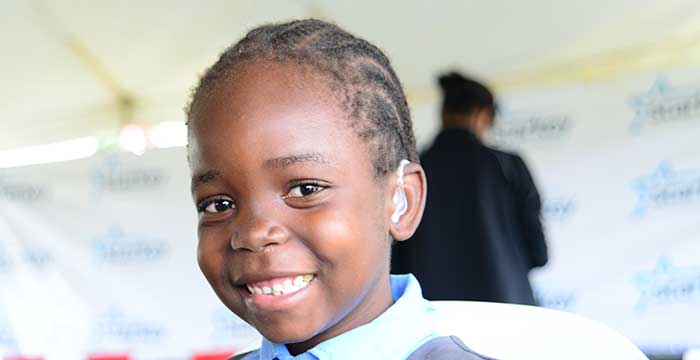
(246, 355)
(446, 348)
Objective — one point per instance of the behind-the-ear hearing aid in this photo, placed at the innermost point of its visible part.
(400, 202)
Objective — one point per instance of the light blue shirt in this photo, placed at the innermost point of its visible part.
(395, 334)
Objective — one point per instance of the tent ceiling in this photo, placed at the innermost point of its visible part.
(65, 62)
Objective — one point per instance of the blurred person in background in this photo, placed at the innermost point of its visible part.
(481, 233)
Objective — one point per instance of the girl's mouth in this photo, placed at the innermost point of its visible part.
(280, 286)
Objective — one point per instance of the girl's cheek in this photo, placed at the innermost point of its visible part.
(341, 235)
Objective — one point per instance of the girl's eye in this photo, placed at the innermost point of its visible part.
(215, 206)
(303, 190)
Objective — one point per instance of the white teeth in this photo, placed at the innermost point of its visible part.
(288, 286)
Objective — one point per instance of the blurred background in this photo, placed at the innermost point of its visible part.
(97, 229)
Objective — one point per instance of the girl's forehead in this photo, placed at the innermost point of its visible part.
(270, 91)
(254, 87)
(278, 110)
(288, 74)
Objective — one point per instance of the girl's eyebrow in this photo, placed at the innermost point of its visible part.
(279, 162)
(205, 177)
(286, 161)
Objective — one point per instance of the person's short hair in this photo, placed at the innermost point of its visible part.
(358, 72)
(464, 95)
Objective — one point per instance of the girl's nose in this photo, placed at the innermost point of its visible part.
(257, 233)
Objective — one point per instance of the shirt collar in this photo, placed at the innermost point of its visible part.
(396, 333)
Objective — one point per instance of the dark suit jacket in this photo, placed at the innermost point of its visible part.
(481, 231)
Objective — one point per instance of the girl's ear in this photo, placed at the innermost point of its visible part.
(414, 188)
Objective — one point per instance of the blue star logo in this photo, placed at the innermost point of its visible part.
(666, 186)
(109, 165)
(663, 103)
(113, 175)
(641, 103)
(667, 283)
(114, 325)
(118, 247)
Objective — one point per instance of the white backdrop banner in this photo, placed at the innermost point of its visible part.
(98, 259)
(97, 256)
(618, 166)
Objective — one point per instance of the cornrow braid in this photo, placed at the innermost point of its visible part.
(358, 71)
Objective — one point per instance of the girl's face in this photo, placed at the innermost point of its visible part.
(293, 225)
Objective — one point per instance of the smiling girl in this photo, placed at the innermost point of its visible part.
(296, 140)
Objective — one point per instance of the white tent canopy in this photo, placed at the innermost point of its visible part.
(68, 67)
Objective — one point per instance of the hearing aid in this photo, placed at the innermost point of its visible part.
(400, 202)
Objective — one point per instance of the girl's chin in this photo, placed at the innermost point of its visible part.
(295, 338)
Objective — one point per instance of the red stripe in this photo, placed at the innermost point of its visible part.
(213, 355)
(109, 357)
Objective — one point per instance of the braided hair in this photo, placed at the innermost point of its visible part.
(370, 91)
